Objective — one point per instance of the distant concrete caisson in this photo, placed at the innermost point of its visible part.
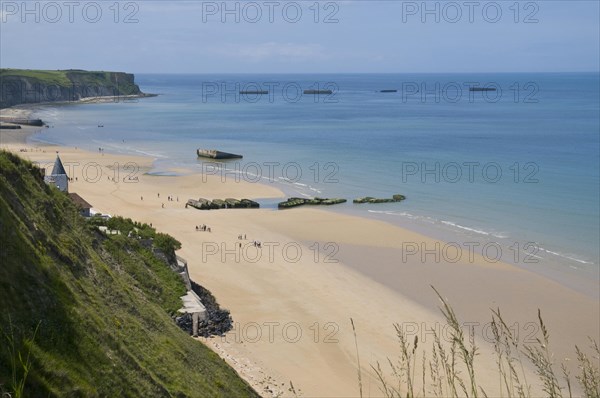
(214, 154)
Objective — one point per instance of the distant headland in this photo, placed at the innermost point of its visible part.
(29, 86)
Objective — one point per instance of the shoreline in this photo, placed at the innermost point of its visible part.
(310, 292)
(571, 266)
(580, 279)
(31, 107)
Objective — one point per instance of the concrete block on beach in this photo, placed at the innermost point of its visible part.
(370, 199)
(229, 203)
(295, 202)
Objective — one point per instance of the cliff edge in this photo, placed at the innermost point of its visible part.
(27, 86)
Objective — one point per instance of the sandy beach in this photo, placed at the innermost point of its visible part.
(292, 300)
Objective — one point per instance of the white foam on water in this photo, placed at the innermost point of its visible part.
(426, 219)
(478, 231)
(569, 256)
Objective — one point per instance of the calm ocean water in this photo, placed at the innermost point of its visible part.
(518, 166)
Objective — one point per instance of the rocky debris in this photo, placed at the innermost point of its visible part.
(232, 203)
(218, 321)
(184, 322)
(219, 204)
(248, 204)
(250, 371)
(370, 199)
(294, 202)
(229, 203)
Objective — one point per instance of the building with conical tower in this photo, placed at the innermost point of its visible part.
(58, 177)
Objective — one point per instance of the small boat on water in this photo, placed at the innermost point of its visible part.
(214, 154)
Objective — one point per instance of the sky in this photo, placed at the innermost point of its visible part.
(302, 36)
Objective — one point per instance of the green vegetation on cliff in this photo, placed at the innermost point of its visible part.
(67, 78)
(50, 77)
(85, 314)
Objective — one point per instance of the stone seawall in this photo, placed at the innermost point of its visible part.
(201, 314)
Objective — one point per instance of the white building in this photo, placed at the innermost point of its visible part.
(58, 177)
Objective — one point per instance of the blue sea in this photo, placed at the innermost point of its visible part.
(518, 165)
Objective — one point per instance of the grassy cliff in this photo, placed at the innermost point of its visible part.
(84, 314)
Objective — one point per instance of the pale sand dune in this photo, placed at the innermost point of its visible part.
(309, 295)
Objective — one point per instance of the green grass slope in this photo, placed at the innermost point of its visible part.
(101, 305)
(49, 77)
(121, 83)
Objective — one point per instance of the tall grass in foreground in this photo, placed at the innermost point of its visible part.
(449, 371)
(20, 361)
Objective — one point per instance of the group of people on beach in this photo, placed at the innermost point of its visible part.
(203, 228)
(169, 198)
(255, 242)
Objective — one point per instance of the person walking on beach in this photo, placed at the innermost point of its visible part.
(141, 198)
(163, 205)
